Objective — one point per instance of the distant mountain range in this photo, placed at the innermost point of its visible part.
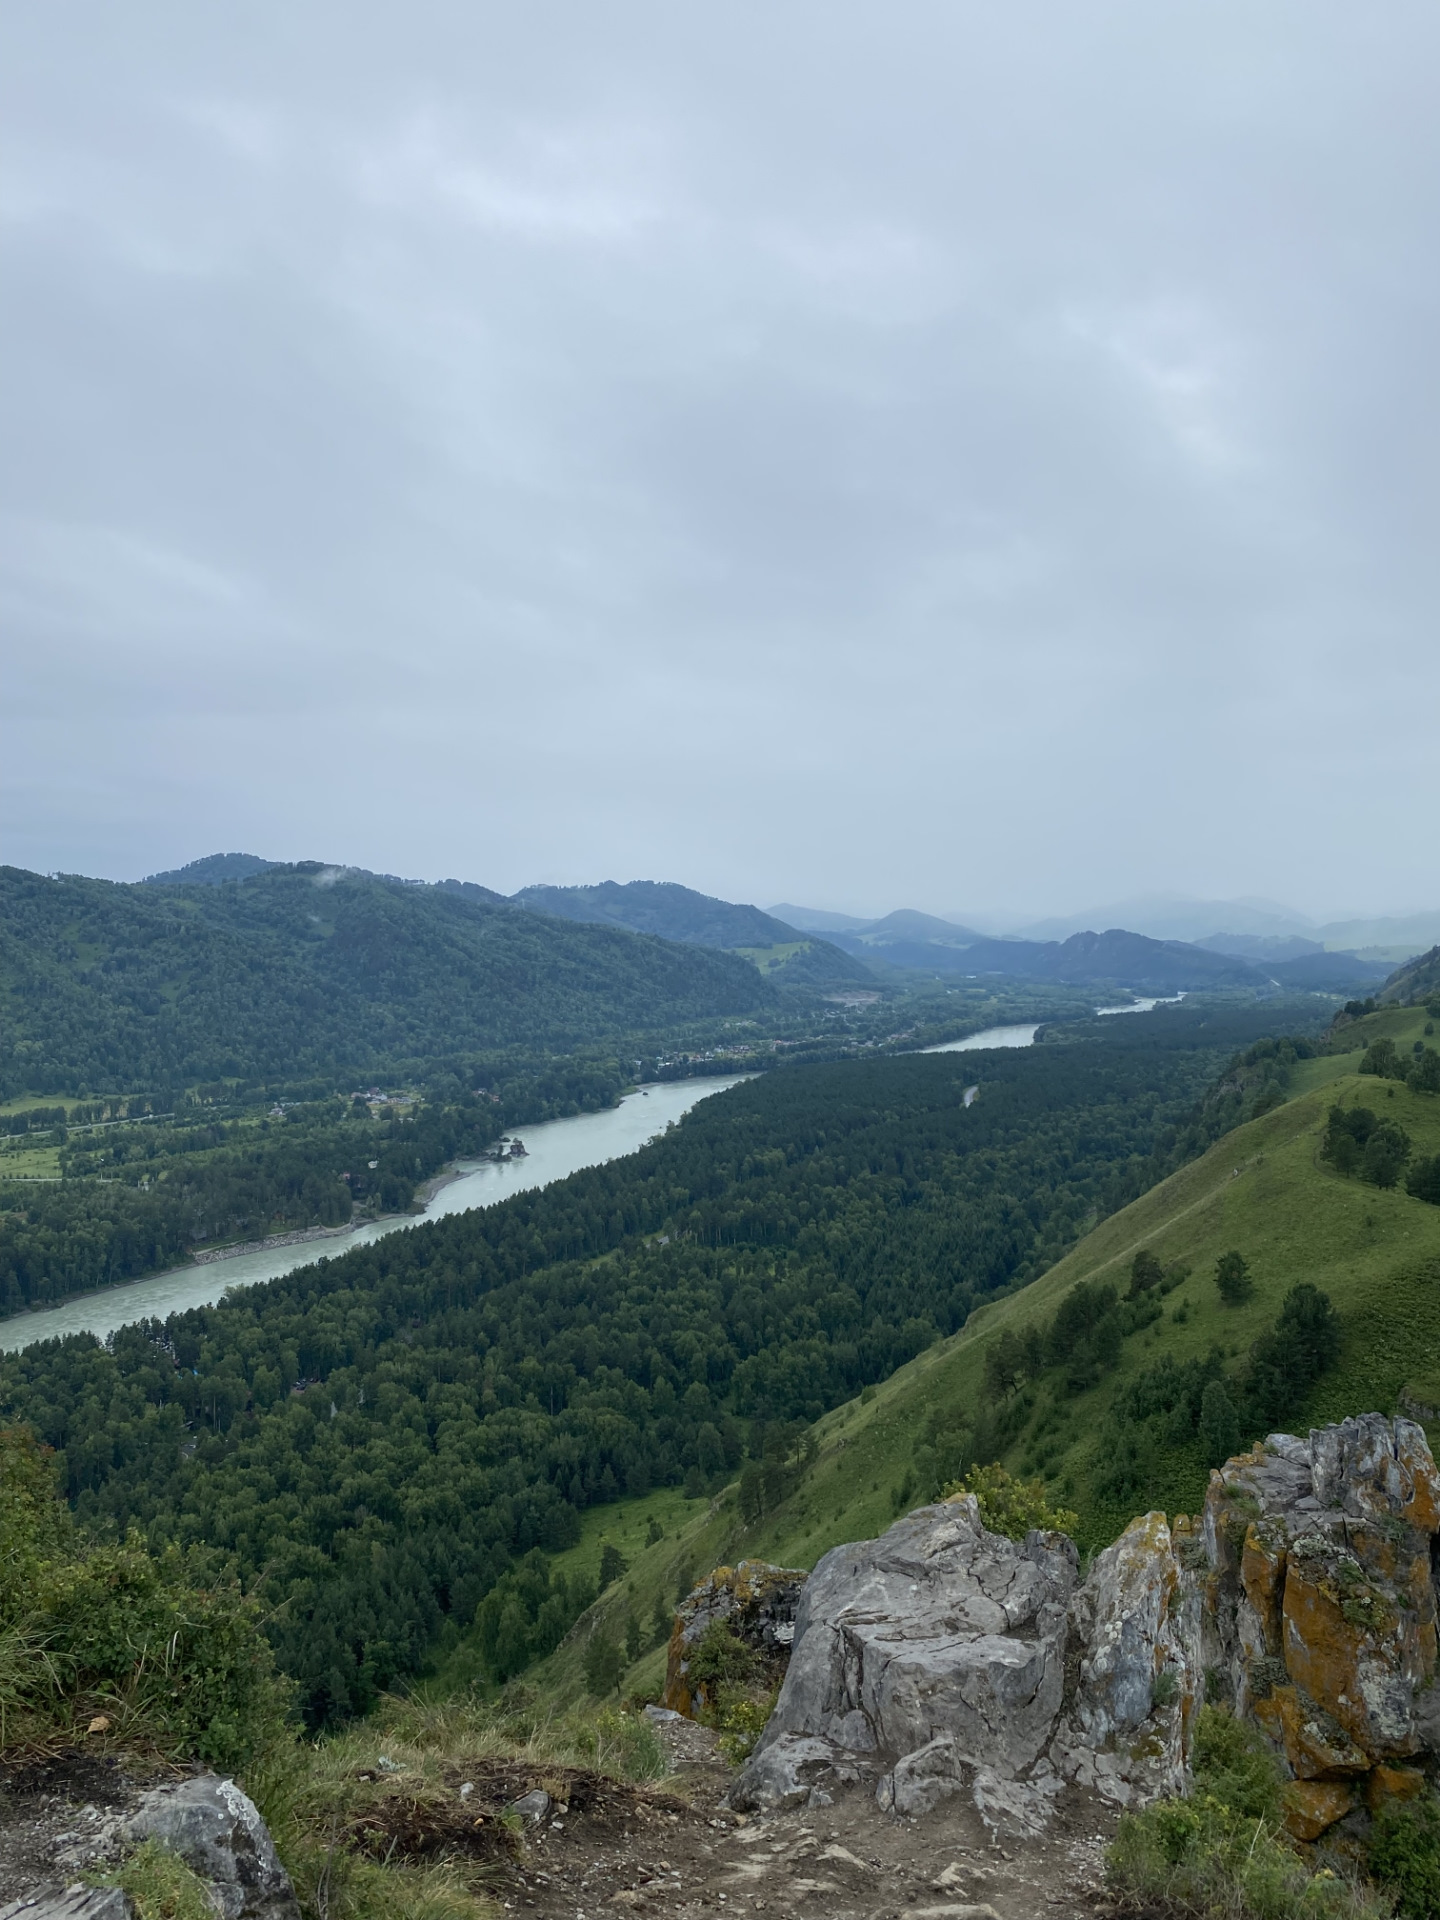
(923, 943)
(1205, 921)
(1131, 960)
(800, 951)
(1249, 929)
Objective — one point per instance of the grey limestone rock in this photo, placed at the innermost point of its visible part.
(1136, 1627)
(937, 1628)
(532, 1807)
(921, 1780)
(217, 1831)
(71, 1903)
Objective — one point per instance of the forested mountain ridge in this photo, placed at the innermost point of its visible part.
(785, 954)
(1417, 979)
(308, 969)
(663, 907)
(211, 871)
(386, 1434)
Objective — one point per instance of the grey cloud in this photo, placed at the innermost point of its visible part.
(970, 457)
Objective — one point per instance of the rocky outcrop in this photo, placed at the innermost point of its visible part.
(217, 1831)
(1319, 1608)
(71, 1903)
(206, 1820)
(944, 1658)
(756, 1602)
(932, 1655)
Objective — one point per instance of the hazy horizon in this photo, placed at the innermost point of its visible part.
(976, 460)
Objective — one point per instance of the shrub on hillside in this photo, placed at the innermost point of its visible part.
(1232, 1277)
(1357, 1142)
(1382, 1058)
(1423, 1181)
(1404, 1856)
(150, 1651)
(1011, 1506)
(1223, 1851)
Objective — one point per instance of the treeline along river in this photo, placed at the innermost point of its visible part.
(554, 1149)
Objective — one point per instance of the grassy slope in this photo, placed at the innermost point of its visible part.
(1263, 1188)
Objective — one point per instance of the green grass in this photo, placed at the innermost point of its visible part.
(29, 1163)
(160, 1885)
(767, 959)
(1263, 1189)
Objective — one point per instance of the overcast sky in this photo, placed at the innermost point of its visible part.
(981, 458)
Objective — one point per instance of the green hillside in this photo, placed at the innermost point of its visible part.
(680, 913)
(1263, 1189)
(312, 970)
(1418, 979)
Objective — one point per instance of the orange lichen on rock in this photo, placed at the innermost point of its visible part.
(1393, 1783)
(1313, 1805)
(755, 1601)
(1315, 1744)
(1329, 1634)
(1422, 1508)
(1262, 1574)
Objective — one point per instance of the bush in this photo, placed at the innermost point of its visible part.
(1219, 1424)
(604, 1662)
(720, 1658)
(1356, 1142)
(166, 1656)
(1222, 1853)
(1234, 1767)
(1405, 1856)
(727, 1679)
(741, 1721)
(1382, 1058)
(1011, 1506)
(1145, 1272)
(1232, 1277)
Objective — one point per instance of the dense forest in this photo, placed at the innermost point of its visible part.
(375, 1440)
(306, 970)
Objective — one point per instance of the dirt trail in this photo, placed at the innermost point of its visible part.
(602, 1847)
(848, 1861)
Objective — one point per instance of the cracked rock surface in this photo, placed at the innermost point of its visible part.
(940, 1647)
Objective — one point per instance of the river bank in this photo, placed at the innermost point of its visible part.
(554, 1149)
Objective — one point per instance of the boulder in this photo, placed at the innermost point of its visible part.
(1135, 1627)
(217, 1831)
(924, 1656)
(756, 1601)
(1319, 1605)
